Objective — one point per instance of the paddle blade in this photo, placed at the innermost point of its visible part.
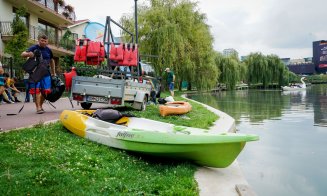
(21, 109)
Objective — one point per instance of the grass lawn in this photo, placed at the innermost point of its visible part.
(48, 159)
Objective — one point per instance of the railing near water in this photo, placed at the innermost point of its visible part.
(33, 32)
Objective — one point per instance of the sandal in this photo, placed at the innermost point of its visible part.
(40, 111)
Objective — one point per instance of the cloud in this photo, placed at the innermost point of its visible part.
(286, 28)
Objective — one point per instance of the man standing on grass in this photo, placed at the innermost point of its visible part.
(170, 81)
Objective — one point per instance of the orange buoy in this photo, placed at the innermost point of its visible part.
(175, 107)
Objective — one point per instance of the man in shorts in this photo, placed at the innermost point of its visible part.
(170, 81)
(43, 86)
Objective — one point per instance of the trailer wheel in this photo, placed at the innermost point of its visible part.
(86, 105)
(143, 106)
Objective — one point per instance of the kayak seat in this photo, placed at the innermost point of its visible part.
(122, 121)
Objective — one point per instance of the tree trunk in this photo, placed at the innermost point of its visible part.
(189, 86)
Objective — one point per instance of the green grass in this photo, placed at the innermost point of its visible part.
(199, 117)
(48, 159)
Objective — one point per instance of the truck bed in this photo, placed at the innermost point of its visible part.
(98, 86)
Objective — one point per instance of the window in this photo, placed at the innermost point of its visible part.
(23, 18)
(49, 30)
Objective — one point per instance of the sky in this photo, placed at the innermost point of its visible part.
(286, 28)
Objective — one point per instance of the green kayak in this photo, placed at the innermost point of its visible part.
(159, 139)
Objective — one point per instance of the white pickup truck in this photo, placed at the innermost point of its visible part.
(114, 92)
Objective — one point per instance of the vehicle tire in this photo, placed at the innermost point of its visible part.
(86, 105)
(143, 106)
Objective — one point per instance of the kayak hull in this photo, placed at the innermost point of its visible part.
(164, 140)
(175, 107)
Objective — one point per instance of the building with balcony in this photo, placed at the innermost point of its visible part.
(50, 17)
(79, 27)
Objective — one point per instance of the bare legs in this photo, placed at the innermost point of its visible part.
(39, 100)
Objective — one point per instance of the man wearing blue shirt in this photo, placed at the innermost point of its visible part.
(44, 85)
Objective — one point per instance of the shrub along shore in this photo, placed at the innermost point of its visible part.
(48, 159)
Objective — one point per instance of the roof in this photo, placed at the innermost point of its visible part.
(79, 22)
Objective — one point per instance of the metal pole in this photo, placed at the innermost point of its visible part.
(136, 30)
(11, 68)
(137, 39)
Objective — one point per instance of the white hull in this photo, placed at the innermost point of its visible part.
(288, 88)
(303, 86)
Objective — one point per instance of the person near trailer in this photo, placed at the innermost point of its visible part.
(152, 91)
(27, 87)
(170, 80)
(2, 83)
(44, 85)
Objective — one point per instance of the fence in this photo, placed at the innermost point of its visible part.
(33, 32)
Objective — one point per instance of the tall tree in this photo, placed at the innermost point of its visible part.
(230, 70)
(257, 67)
(266, 69)
(18, 43)
(177, 32)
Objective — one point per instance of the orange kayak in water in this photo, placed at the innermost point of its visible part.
(175, 107)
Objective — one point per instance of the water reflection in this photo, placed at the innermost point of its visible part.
(259, 105)
(290, 157)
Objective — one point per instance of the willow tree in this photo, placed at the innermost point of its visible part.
(257, 65)
(277, 70)
(266, 70)
(229, 68)
(177, 33)
(18, 43)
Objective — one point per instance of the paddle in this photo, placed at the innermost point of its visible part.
(13, 114)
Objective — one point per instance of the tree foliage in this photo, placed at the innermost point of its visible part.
(230, 69)
(18, 43)
(177, 33)
(266, 69)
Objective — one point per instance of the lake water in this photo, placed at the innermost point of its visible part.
(290, 159)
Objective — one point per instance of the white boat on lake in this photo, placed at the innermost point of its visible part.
(296, 87)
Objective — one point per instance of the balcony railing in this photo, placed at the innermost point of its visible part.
(33, 32)
(50, 4)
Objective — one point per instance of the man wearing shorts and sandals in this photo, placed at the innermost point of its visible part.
(43, 86)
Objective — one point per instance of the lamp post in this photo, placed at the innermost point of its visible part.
(136, 40)
(136, 30)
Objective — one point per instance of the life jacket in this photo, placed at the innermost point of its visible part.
(116, 53)
(93, 49)
(80, 50)
(95, 53)
(127, 56)
(69, 77)
(133, 56)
